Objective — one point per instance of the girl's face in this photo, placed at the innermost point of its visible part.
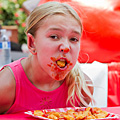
(57, 43)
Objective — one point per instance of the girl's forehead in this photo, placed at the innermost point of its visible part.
(56, 17)
(61, 23)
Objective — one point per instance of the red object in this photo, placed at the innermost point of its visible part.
(113, 84)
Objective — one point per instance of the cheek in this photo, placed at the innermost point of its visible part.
(45, 49)
(75, 52)
(43, 55)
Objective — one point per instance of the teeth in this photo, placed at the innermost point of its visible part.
(62, 60)
(61, 63)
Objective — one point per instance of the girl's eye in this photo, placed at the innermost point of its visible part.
(54, 36)
(74, 39)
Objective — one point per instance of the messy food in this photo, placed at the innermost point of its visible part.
(73, 114)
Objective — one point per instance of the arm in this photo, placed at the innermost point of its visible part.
(7, 90)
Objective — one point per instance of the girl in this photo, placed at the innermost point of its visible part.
(51, 76)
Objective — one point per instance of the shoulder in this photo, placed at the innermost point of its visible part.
(7, 89)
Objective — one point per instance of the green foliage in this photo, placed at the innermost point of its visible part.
(11, 13)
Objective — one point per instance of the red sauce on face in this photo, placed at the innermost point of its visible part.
(66, 50)
(57, 77)
(53, 59)
(58, 73)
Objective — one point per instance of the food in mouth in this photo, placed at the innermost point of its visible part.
(61, 63)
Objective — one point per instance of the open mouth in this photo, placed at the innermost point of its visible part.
(61, 63)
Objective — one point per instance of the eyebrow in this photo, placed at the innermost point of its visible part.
(77, 32)
(74, 31)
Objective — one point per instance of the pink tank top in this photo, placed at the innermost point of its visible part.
(28, 97)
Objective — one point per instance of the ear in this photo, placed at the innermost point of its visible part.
(31, 44)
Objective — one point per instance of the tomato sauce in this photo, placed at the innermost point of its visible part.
(58, 72)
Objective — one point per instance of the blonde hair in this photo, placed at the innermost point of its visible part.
(36, 17)
(76, 83)
(75, 79)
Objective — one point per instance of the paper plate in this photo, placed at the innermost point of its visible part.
(110, 116)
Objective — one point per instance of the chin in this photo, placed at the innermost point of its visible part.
(59, 77)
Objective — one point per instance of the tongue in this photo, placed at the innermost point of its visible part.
(61, 64)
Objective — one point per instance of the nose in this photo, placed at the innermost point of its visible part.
(64, 47)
